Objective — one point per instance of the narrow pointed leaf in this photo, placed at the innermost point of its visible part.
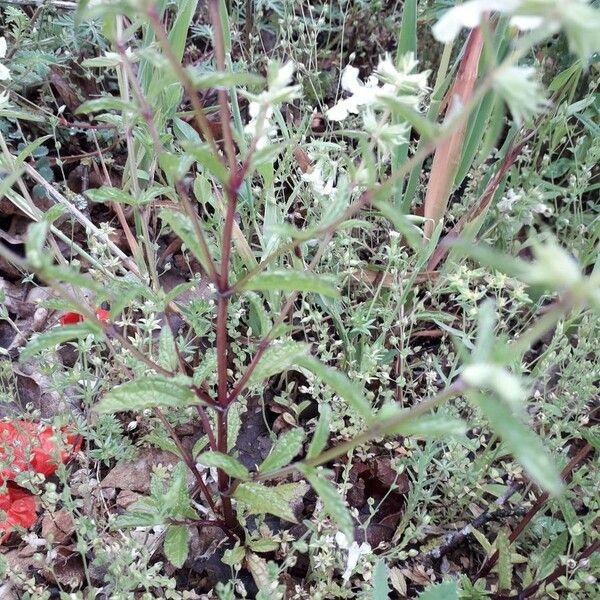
(292, 281)
(349, 391)
(283, 451)
(333, 503)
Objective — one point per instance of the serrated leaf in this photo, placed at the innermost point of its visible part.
(167, 353)
(230, 465)
(280, 356)
(176, 545)
(551, 554)
(321, 433)
(292, 281)
(234, 422)
(333, 503)
(442, 591)
(349, 391)
(260, 499)
(146, 392)
(381, 589)
(504, 564)
(57, 336)
(521, 441)
(283, 451)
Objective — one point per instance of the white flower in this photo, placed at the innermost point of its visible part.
(354, 553)
(4, 72)
(317, 182)
(398, 85)
(360, 94)
(521, 91)
(261, 106)
(3, 99)
(506, 204)
(468, 14)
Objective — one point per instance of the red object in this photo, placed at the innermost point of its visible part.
(27, 446)
(102, 315)
(70, 318)
(18, 508)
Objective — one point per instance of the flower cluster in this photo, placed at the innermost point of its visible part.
(261, 106)
(392, 87)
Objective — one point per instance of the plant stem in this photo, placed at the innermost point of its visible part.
(183, 77)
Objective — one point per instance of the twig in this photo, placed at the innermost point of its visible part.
(456, 538)
(539, 503)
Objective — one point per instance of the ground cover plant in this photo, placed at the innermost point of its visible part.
(299, 299)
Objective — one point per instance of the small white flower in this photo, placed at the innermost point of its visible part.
(506, 204)
(261, 106)
(4, 72)
(469, 15)
(354, 553)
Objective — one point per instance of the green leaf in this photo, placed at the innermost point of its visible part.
(381, 589)
(216, 79)
(233, 467)
(283, 451)
(349, 391)
(521, 441)
(425, 426)
(404, 224)
(109, 194)
(136, 519)
(442, 591)
(504, 564)
(333, 503)
(260, 499)
(104, 104)
(176, 545)
(292, 281)
(184, 230)
(234, 556)
(57, 336)
(146, 392)
(279, 357)
(167, 352)
(263, 545)
(176, 501)
(34, 245)
(551, 554)
(407, 38)
(321, 434)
